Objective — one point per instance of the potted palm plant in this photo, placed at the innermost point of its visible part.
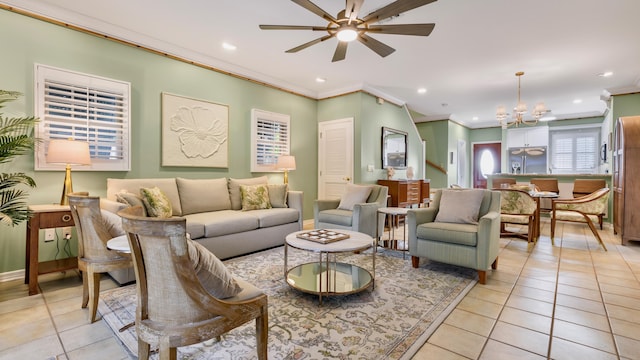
(16, 138)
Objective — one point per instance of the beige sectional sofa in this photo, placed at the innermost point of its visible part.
(213, 209)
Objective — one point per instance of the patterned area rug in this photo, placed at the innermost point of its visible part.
(391, 321)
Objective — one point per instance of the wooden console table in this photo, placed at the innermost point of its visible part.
(45, 217)
(405, 193)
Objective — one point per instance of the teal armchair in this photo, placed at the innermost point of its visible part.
(455, 241)
(363, 217)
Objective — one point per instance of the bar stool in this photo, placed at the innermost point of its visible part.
(582, 187)
(497, 182)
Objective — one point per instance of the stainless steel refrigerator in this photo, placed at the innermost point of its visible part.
(528, 160)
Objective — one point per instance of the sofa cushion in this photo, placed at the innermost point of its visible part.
(125, 197)
(460, 206)
(255, 197)
(278, 195)
(354, 194)
(234, 189)
(167, 185)
(336, 216)
(203, 195)
(156, 202)
(275, 216)
(211, 272)
(462, 234)
(223, 222)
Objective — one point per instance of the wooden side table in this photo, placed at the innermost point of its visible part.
(45, 217)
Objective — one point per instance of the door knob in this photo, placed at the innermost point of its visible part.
(346, 179)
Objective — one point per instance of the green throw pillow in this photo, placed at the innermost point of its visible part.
(255, 197)
(156, 202)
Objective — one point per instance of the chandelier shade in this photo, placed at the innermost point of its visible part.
(519, 111)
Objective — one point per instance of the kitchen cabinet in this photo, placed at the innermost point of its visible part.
(626, 171)
(526, 137)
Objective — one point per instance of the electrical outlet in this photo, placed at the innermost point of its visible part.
(49, 234)
(66, 231)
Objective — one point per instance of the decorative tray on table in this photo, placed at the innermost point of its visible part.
(322, 236)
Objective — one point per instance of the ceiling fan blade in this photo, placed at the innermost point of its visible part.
(395, 8)
(316, 10)
(341, 51)
(307, 44)
(403, 29)
(352, 9)
(375, 45)
(292, 27)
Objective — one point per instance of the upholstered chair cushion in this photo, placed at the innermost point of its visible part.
(354, 194)
(460, 206)
(156, 202)
(255, 197)
(112, 223)
(211, 272)
(234, 189)
(203, 195)
(278, 195)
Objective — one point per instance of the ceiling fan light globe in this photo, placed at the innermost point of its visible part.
(347, 35)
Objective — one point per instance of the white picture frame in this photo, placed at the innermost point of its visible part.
(195, 133)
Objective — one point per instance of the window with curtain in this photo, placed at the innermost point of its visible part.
(270, 138)
(574, 150)
(72, 105)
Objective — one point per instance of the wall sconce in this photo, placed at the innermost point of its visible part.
(286, 163)
(68, 152)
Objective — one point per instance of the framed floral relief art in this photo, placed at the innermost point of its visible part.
(195, 132)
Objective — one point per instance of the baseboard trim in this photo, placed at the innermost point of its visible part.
(12, 275)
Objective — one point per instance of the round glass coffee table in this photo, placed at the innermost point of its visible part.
(327, 276)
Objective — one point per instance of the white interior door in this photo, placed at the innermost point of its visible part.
(335, 157)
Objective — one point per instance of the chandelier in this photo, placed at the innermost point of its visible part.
(519, 111)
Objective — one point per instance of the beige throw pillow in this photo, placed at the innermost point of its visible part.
(460, 206)
(354, 194)
(213, 275)
(130, 199)
(278, 195)
(156, 202)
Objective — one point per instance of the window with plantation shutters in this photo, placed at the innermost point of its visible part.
(574, 150)
(72, 105)
(270, 138)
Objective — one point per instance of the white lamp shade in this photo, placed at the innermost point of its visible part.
(68, 152)
(286, 162)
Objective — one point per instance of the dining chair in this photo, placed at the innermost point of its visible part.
(94, 228)
(582, 187)
(586, 209)
(517, 207)
(546, 184)
(496, 183)
(177, 305)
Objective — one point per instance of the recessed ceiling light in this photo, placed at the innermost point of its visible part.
(422, 91)
(577, 101)
(228, 46)
(605, 74)
(320, 79)
(475, 118)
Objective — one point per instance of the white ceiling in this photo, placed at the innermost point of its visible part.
(467, 64)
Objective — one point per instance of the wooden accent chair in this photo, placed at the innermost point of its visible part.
(519, 208)
(94, 228)
(582, 187)
(174, 308)
(496, 183)
(585, 209)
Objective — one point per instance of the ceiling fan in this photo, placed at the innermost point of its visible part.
(347, 26)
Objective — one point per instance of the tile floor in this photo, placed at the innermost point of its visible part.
(571, 300)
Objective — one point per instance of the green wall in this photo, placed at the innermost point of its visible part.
(625, 105)
(435, 135)
(35, 41)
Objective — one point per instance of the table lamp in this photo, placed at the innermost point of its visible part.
(286, 163)
(69, 152)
